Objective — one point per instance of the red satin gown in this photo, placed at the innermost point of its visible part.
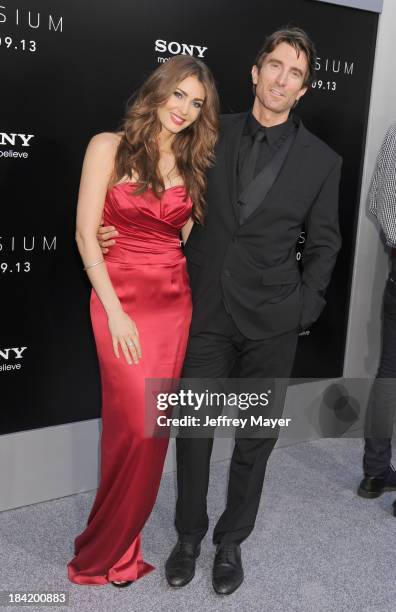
(148, 271)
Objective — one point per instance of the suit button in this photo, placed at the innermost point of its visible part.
(227, 272)
(235, 239)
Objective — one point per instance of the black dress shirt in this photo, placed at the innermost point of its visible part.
(273, 139)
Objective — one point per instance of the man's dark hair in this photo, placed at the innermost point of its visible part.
(297, 38)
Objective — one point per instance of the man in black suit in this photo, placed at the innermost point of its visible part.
(272, 177)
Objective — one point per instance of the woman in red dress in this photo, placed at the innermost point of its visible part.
(149, 183)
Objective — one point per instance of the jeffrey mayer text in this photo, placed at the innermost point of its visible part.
(221, 421)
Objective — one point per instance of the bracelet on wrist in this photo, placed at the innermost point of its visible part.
(94, 264)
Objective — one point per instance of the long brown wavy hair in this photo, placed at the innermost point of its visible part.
(138, 153)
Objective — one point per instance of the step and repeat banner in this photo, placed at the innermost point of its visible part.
(68, 69)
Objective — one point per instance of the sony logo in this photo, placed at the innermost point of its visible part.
(11, 139)
(176, 48)
(5, 352)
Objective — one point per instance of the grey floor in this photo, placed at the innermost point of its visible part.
(316, 546)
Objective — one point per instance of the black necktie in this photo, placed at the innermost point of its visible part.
(249, 165)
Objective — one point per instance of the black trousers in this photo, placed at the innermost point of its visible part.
(214, 354)
(381, 410)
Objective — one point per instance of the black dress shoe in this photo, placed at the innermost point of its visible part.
(122, 584)
(180, 566)
(227, 568)
(371, 487)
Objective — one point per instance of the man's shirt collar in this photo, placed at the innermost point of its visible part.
(272, 133)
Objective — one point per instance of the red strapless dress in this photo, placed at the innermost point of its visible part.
(148, 271)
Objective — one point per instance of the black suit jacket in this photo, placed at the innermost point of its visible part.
(253, 266)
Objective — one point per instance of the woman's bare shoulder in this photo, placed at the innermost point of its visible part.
(106, 141)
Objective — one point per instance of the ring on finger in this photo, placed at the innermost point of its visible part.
(129, 343)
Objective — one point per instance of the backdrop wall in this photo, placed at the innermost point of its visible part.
(82, 92)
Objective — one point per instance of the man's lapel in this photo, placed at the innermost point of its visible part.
(289, 168)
